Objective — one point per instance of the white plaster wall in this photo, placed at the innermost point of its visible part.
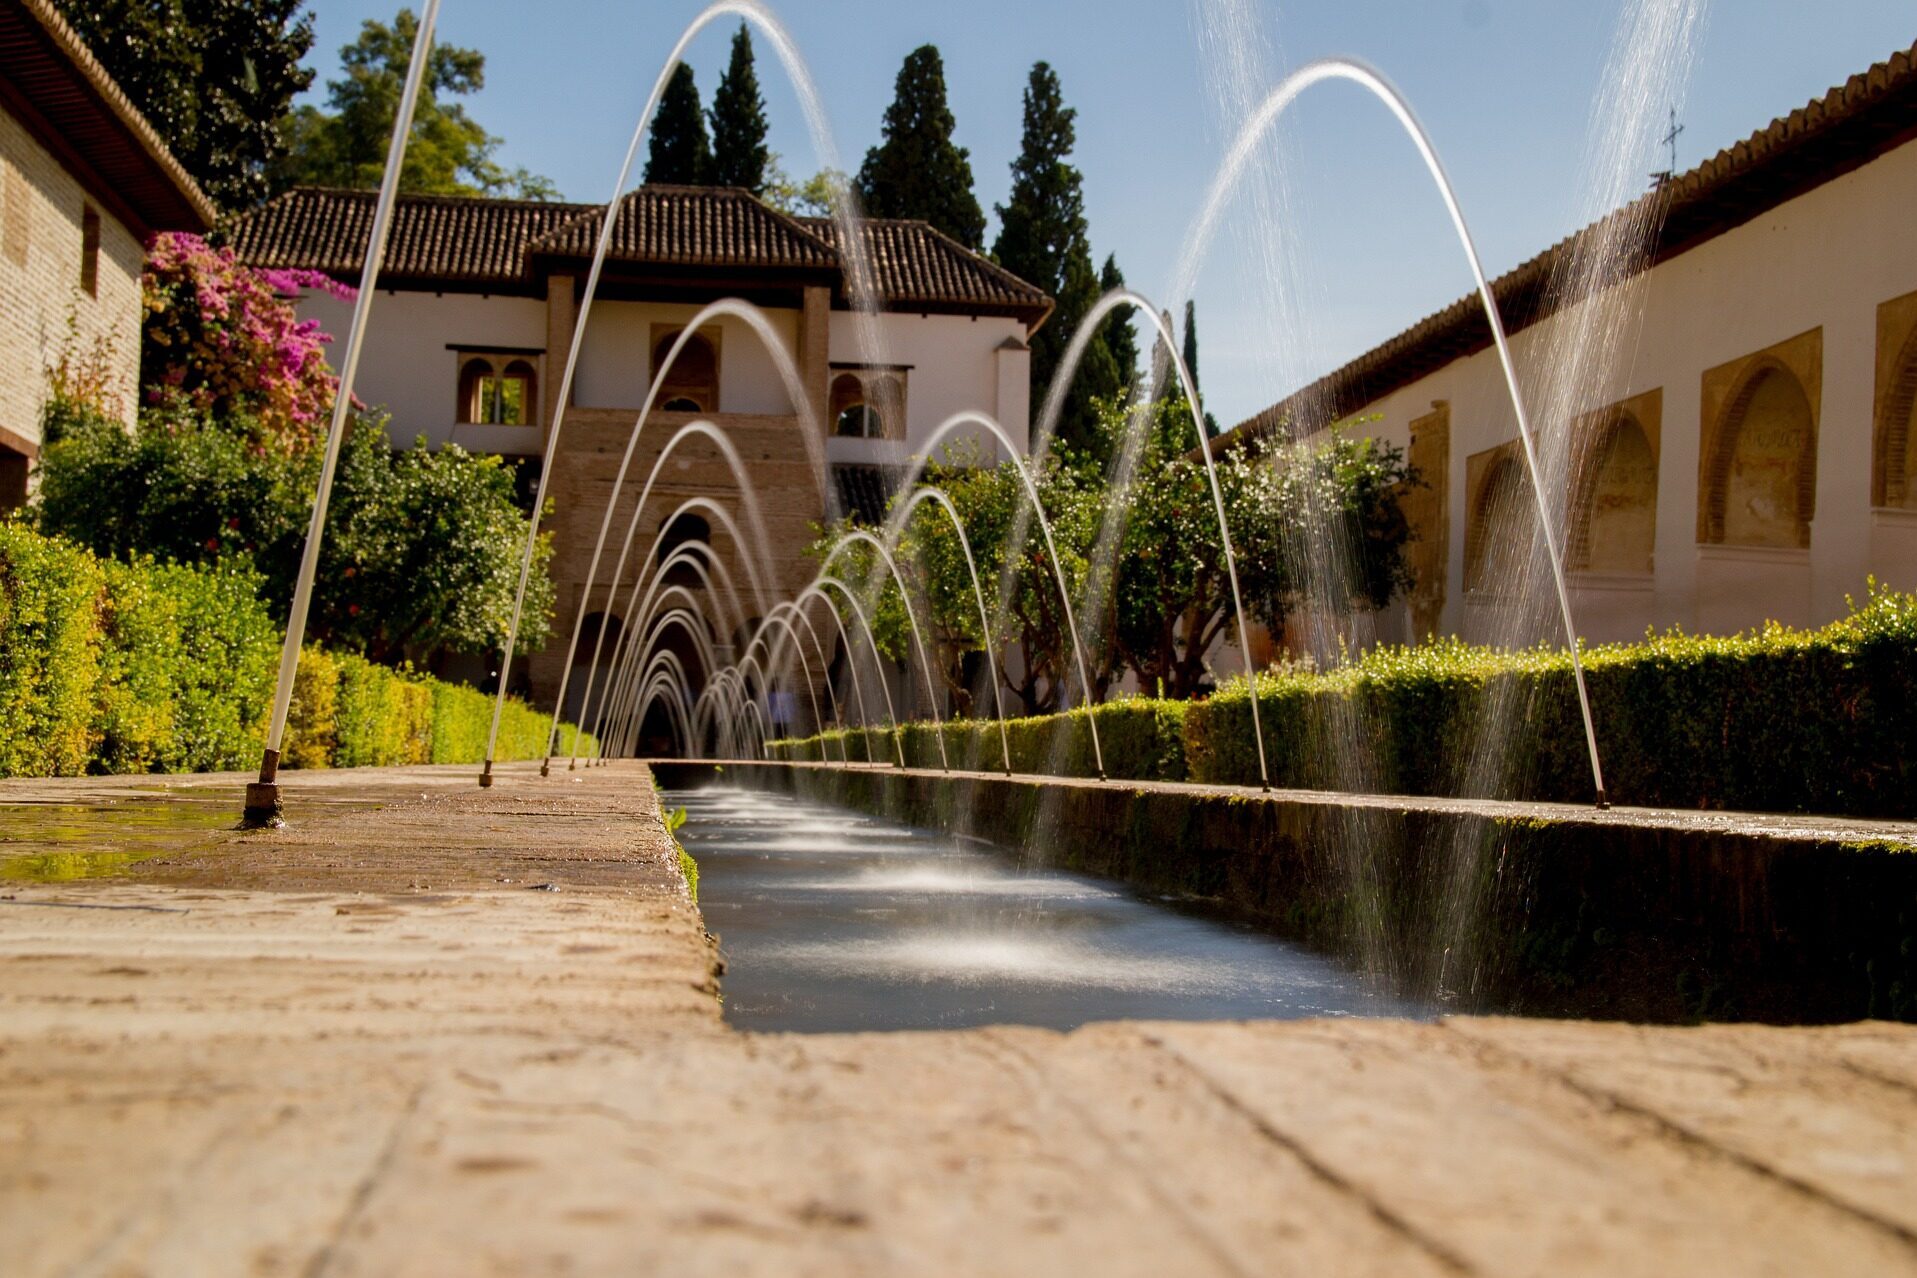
(615, 364)
(1825, 259)
(955, 365)
(404, 363)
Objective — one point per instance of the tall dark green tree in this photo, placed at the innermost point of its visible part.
(918, 171)
(679, 152)
(447, 152)
(1120, 335)
(739, 154)
(1042, 238)
(213, 77)
(1190, 353)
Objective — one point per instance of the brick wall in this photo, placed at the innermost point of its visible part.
(41, 211)
(774, 457)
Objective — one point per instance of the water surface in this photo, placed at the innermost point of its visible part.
(832, 920)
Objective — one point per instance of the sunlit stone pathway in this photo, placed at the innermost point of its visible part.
(435, 1030)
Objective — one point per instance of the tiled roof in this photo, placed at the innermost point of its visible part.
(915, 264)
(693, 226)
(53, 83)
(477, 242)
(458, 239)
(1851, 125)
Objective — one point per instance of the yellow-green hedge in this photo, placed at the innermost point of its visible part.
(148, 667)
(1772, 720)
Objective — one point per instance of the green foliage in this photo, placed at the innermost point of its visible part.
(49, 653)
(918, 171)
(447, 152)
(422, 553)
(213, 77)
(145, 666)
(187, 669)
(1120, 333)
(679, 151)
(1142, 739)
(1168, 599)
(739, 154)
(816, 196)
(422, 546)
(1771, 720)
(1043, 239)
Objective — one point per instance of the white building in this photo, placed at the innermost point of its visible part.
(1750, 458)
(477, 304)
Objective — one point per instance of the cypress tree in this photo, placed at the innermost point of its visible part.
(1120, 336)
(918, 171)
(1042, 239)
(739, 154)
(1190, 352)
(679, 150)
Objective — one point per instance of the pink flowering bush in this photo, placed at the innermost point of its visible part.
(221, 338)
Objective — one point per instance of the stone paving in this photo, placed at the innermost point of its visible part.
(430, 1029)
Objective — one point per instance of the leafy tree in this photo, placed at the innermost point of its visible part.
(739, 154)
(1120, 334)
(422, 546)
(679, 151)
(1168, 600)
(918, 171)
(447, 152)
(1042, 239)
(816, 196)
(422, 553)
(213, 77)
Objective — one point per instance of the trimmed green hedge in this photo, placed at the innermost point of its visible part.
(1772, 720)
(1140, 738)
(148, 667)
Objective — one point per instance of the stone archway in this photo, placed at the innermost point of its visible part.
(1762, 478)
(1614, 513)
(1894, 477)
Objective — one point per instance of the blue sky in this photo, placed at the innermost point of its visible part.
(1505, 88)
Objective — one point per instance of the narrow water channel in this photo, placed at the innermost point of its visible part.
(830, 920)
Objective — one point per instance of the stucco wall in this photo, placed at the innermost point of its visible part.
(1823, 261)
(405, 366)
(954, 363)
(40, 250)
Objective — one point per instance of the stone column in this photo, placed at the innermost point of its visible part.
(815, 321)
(562, 312)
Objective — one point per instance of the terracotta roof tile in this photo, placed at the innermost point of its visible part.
(915, 264)
(1851, 125)
(486, 242)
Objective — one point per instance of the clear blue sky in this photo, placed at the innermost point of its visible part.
(1505, 88)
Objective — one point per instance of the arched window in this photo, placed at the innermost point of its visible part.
(691, 384)
(1614, 520)
(687, 528)
(852, 417)
(494, 396)
(473, 374)
(1498, 538)
(1763, 472)
(1896, 460)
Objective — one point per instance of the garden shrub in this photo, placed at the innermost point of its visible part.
(140, 666)
(49, 653)
(1774, 719)
(384, 718)
(187, 669)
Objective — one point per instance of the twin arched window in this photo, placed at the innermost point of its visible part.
(691, 383)
(868, 406)
(497, 392)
